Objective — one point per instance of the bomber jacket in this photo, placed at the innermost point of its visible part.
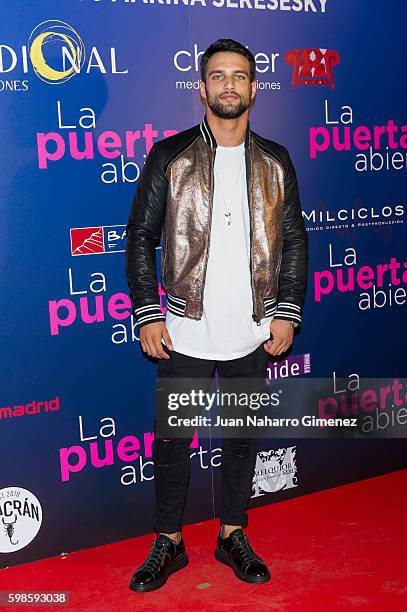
(174, 198)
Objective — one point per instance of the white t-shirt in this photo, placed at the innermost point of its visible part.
(226, 330)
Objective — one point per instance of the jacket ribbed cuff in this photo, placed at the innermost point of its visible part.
(148, 314)
(288, 312)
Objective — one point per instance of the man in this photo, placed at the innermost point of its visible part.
(234, 266)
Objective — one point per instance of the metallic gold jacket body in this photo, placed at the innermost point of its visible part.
(174, 198)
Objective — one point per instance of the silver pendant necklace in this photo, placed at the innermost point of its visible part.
(228, 212)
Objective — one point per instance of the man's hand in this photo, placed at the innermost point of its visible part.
(282, 333)
(150, 339)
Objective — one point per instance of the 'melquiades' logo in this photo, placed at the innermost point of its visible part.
(20, 518)
(312, 66)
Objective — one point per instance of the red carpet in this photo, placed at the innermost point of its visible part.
(338, 549)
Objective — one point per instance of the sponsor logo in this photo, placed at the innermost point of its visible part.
(96, 240)
(312, 66)
(187, 61)
(359, 216)
(294, 365)
(56, 53)
(49, 35)
(9, 412)
(275, 470)
(20, 518)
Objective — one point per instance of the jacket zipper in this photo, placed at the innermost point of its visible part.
(210, 226)
(279, 263)
(164, 257)
(248, 182)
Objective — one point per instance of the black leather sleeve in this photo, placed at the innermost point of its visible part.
(294, 263)
(143, 233)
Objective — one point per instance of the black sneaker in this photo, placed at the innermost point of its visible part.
(165, 558)
(236, 552)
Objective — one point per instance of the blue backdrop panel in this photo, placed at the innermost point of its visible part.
(77, 396)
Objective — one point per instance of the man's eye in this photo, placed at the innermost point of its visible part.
(237, 76)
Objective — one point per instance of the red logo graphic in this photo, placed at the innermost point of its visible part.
(312, 66)
(87, 240)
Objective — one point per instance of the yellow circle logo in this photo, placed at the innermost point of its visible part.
(68, 43)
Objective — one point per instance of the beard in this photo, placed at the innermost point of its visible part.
(228, 110)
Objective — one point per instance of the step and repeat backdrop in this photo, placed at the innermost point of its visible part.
(86, 88)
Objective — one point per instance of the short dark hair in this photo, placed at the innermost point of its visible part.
(232, 46)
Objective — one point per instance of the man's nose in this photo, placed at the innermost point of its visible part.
(229, 83)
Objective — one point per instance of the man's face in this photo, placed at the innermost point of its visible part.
(228, 91)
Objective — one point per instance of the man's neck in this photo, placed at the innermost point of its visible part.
(228, 132)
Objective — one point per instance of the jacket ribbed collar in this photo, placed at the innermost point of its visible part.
(209, 138)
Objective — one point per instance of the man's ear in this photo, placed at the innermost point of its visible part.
(202, 89)
(253, 92)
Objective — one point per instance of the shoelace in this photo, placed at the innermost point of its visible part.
(245, 550)
(156, 555)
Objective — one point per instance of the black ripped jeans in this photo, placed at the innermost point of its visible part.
(171, 456)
